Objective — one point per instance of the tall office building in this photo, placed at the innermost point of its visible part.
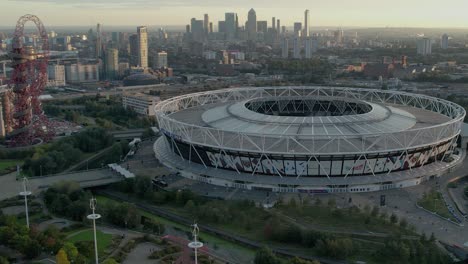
(198, 32)
(112, 63)
(308, 48)
(339, 36)
(133, 41)
(115, 38)
(297, 29)
(161, 60)
(251, 25)
(296, 48)
(278, 26)
(210, 29)
(306, 33)
(273, 23)
(98, 41)
(206, 24)
(424, 46)
(285, 49)
(230, 25)
(262, 26)
(142, 47)
(222, 26)
(444, 41)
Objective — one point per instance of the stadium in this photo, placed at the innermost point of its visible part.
(309, 139)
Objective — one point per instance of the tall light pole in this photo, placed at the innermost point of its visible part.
(94, 216)
(195, 244)
(26, 193)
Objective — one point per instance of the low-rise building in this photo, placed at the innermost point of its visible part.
(142, 104)
(56, 75)
(82, 73)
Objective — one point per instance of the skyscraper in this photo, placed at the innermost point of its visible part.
(134, 47)
(198, 32)
(424, 46)
(116, 38)
(262, 26)
(296, 48)
(297, 29)
(273, 23)
(444, 42)
(305, 34)
(142, 46)
(210, 29)
(161, 60)
(278, 26)
(339, 36)
(285, 49)
(206, 24)
(308, 48)
(98, 41)
(230, 25)
(251, 25)
(222, 26)
(112, 63)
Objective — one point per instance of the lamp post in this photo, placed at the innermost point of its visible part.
(195, 244)
(26, 193)
(94, 216)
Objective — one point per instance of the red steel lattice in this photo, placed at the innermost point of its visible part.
(25, 121)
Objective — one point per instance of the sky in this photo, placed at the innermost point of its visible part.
(339, 13)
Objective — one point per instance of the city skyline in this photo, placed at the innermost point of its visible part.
(177, 13)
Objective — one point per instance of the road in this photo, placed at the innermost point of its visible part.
(11, 187)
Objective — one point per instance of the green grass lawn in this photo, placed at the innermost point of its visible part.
(7, 165)
(434, 202)
(104, 240)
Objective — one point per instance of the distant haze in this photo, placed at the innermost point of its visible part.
(338, 13)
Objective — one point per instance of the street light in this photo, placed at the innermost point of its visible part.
(94, 216)
(26, 193)
(195, 244)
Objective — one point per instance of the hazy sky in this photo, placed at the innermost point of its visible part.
(367, 13)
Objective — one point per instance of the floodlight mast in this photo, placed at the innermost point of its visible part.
(94, 216)
(26, 193)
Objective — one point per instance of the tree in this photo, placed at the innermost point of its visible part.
(31, 249)
(403, 223)
(297, 260)
(3, 260)
(375, 211)
(265, 256)
(393, 219)
(61, 257)
(292, 203)
(190, 207)
(110, 261)
(142, 185)
(71, 250)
